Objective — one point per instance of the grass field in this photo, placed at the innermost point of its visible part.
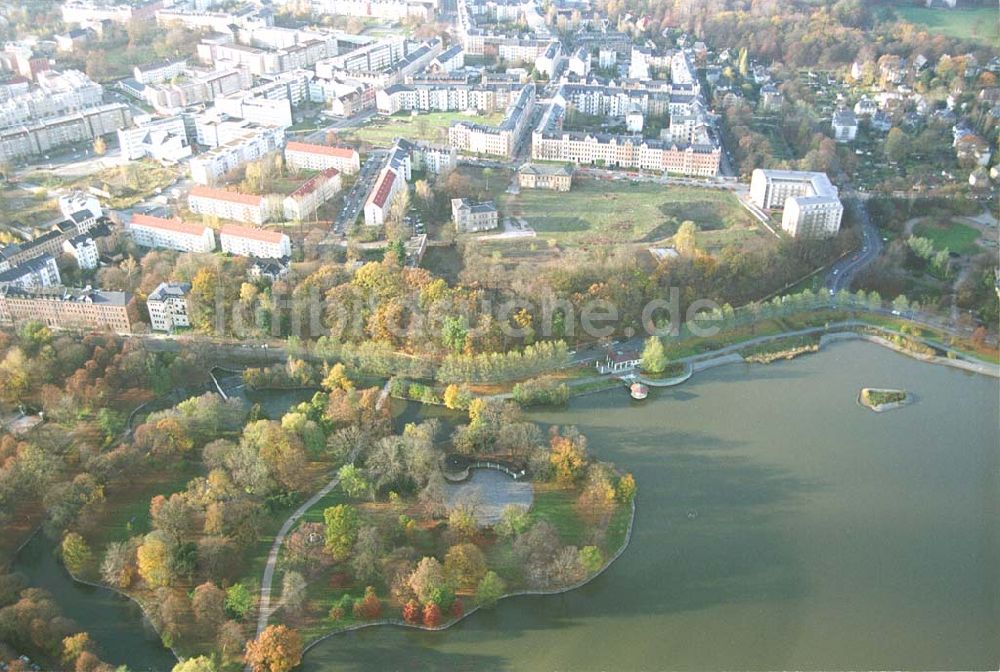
(598, 212)
(981, 24)
(432, 127)
(955, 236)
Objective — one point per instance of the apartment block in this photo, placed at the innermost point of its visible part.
(167, 306)
(160, 139)
(307, 156)
(159, 71)
(246, 242)
(256, 141)
(171, 234)
(304, 201)
(69, 308)
(83, 249)
(40, 271)
(810, 203)
(230, 205)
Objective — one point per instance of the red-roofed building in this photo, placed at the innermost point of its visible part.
(304, 201)
(306, 156)
(171, 234)
(244, 241)
(380, 199)
(226, 204)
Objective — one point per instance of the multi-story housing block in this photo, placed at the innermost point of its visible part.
(83, 248)
(811, 204)
(160, 139)
(159, 71)
(226, 204)
(317, 190)
(39, 137)
(167, 306)
(41, 271)
(171, 234)
(246, 242)
(307, 156)
(502, 140)
(68, 308)
(208, 167)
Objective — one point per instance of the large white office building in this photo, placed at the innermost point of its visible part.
(810, 203)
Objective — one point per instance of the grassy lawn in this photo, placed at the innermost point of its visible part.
(432, 127)
(127, 184)
(980, 24)
(955, 236)
(21, 207)
(597, 212)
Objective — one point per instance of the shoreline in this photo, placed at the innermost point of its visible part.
(520, 593)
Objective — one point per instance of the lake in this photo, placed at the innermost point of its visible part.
(780, 526)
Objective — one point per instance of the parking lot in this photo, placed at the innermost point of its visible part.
(354, 201)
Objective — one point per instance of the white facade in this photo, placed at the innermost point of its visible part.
(84, 250)
(77, 201)
(304, 201)
(246, 242)
(40, 271)
(306, 156)
(168, 306)
(160, 139)
(208, 167)
(811, 204)
(226, 204)
(171, 234)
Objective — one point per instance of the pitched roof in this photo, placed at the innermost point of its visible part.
(326, 150)
(312, 184)
(253, 234)
(381, 193)
(200, 191)
(176, 224)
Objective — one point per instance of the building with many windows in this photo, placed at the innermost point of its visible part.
(39, 137)
(249, 145)
(304, 201)
(168, 306)
(501, 140)
(307, 156)
(246, 242)
(810, 203)
(226, 204)
(171, 234)
(545, 176)
(69, 308)
(83, 248)
(470, 217)
(40, 271)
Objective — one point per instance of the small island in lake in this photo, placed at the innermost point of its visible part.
(880, 400)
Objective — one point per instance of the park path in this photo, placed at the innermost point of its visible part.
(264, 610)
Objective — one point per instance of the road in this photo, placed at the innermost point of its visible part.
(842, 273)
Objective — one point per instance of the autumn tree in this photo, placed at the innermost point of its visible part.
(465, 565)
(100, 146)
(154, 560)
(293, 592)
(74, 645)
(196, 664)
(411, 612)
(432, 615)
(626, 488)
(209, 606)
(118, 567)
(341, 530)
(76, 553)
(568, 455)
(491, 588)
(369, 607)
(427, 578)
(278, 649)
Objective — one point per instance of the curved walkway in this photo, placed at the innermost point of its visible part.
(264, 607)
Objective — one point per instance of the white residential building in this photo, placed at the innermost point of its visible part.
(304, 201)
(391, 182)
(579, 62)
(811, 204)
(307, 156)
(76, 201)
(168, 306)
(84, 250)
(160, 139)
(246, 242)
(845, 125)
(171, 234)
(207, 168)
(159, 71)
(226, 204)
(40, 271)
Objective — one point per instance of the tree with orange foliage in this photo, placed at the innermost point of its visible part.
(432, 615)
(278, 649)
(411, 612)
(568, 454)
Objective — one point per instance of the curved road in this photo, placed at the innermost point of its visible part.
(842, 272)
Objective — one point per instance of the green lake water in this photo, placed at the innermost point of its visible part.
(780, 526)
